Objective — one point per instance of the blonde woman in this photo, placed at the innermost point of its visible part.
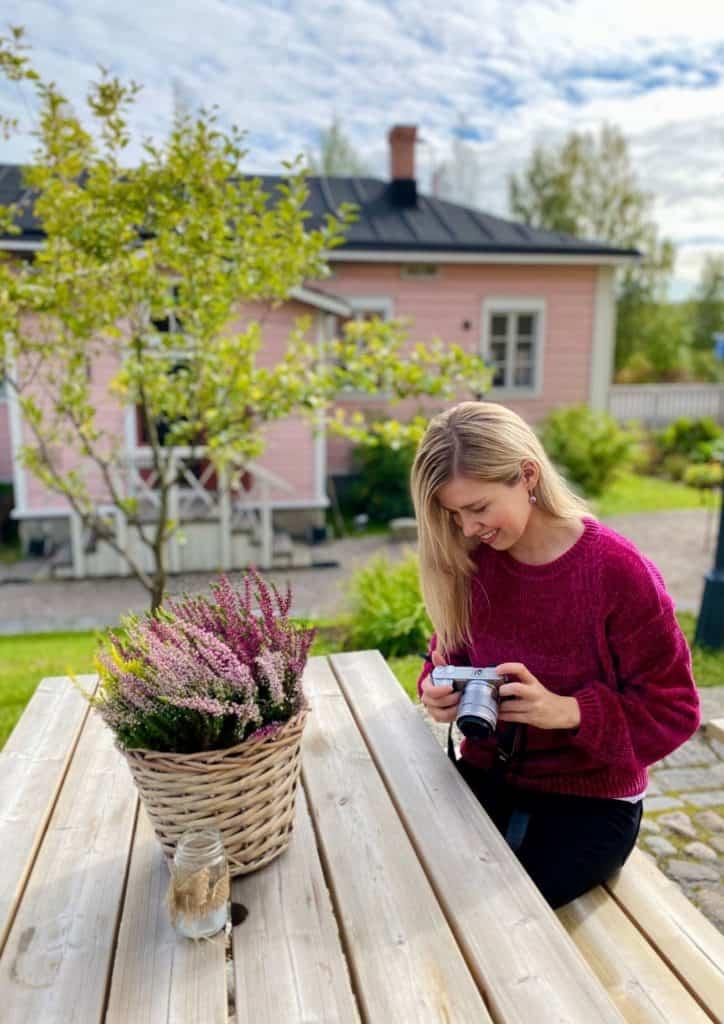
(517, 575)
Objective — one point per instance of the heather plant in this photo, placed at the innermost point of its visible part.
(204, 672)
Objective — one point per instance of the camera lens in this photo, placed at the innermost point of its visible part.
(478, 709)
(474, 727)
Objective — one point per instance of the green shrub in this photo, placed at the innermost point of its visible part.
(588, 446)
(674, 466)
(704, 475)
(382, 490)
(689, 437)
(388, 612)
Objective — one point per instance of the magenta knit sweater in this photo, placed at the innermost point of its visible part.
(596, 624)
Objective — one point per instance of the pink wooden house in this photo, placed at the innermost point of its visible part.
(538, 305)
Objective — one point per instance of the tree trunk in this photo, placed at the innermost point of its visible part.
(159, 586)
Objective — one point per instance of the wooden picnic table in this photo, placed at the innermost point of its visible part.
(396, 901)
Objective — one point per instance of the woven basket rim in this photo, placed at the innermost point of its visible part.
(143, 753)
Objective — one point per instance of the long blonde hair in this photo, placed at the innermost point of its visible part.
(482, 441)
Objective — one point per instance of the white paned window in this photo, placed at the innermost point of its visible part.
(512, 345)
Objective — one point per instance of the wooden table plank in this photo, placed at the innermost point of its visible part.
(634, 975)
(288, 960)
(160, 977)
(715, 729)
(405, 963)
(686, 940)
(516, 948)
(58, 953)
(33, 764)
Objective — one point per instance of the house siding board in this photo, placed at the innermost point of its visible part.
(440, 306)
(109, 419)
(290, 443)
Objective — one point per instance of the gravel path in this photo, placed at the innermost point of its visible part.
(681, 543)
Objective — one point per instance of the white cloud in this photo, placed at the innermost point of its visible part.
(520, 74)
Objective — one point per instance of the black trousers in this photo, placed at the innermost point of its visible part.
(567, 844)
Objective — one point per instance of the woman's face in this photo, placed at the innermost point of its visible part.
(497, 514)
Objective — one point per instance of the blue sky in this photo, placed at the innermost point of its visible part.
(515, 74)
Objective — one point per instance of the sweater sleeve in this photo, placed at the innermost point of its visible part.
(460, 656)
(654, 707)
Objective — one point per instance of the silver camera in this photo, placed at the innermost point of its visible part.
(478, 707)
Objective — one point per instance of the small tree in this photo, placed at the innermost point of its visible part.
(183, 233)
(457, 178)
(337, 155)
(709, 303)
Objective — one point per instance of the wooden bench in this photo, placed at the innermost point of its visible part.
(715, 729)
(397, 899)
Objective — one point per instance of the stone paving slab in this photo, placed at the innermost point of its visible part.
(686, 835)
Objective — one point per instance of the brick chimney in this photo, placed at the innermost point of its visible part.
(403, 187)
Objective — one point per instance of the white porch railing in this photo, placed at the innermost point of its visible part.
(659, 404)
(229, 504)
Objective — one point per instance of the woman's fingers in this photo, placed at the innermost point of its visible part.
(437, 659)
(440, 701)
(512, 690)
(515, 668)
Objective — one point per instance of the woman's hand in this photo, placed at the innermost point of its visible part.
(534, 705)
(440, 701)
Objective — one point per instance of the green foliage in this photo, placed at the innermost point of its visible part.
(383, 488)
(704, 475)
(709, 303)
(654, 341)
(693, 438)
(388, 612)
(674, 466)
(588, 446)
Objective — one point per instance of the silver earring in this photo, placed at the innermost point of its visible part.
(532, 499)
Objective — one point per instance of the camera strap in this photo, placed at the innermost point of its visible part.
(509, 747)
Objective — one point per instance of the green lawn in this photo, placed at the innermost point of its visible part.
(634, 493)
(26, 658)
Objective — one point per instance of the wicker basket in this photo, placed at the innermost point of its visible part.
(247, 792)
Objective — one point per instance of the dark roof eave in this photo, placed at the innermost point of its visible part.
(378, 246)
(485, 250)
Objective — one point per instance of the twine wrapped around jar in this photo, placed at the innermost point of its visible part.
(199, 888)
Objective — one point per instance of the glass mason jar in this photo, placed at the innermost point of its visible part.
(199, 889)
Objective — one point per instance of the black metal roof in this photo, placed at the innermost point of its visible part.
(384, 224)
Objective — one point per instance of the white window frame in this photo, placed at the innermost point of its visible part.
(379, 305)
(511, 306)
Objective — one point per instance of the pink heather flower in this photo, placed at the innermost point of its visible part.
(266, 730)
(271, 664)
(218, 657)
